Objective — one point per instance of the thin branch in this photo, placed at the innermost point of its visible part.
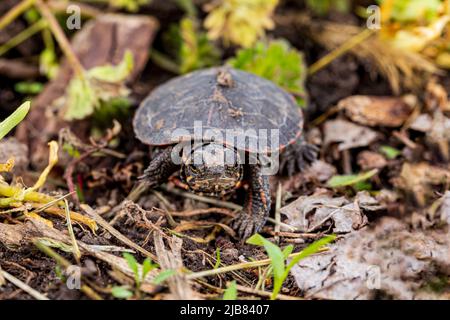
(61, 38)
(14, 12)
(22, 285)
(344, 48)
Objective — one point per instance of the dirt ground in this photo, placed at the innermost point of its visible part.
(392, 227)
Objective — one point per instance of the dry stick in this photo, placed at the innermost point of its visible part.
(220, 203)
(76, 250)
(14, 12)
(345, 47)
(197, 197)
(65, 264)
(265, 293)
(244, 265)
(278, 213)
(61, 38)
(85, 9)
(22, 285)
(22, 36)
(102, 222)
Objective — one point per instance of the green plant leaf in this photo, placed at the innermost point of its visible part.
(389, 152)
(415, 10)
(114, 74)
(277, 61)
(134, 266)
(121, 292)
(288, 250)
(311, 249)
(322, 7)
(231, 291)
(348, 180)
(163, 276)
(129, 5)
(277, 259)
(32, 88)
(147, 266)
(239, 22)
(14, 119)
(81, 99)
(96, 87)
(218, 259)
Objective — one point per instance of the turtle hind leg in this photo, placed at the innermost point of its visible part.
(257, 205)
(160, 169)
(297, 156)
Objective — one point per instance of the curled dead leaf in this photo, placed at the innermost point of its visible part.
(309, 213)
(361, 265)
(378, 111)
(348, 134)
(417, 178)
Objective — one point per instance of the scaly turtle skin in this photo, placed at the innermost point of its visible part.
(221, 99)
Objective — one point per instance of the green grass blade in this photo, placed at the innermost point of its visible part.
(14, 119)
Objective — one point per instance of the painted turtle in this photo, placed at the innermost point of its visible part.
(215, 126)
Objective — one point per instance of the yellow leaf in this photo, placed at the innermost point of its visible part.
(32, 215)
(53, 159)
(240, 22)
(7, 167)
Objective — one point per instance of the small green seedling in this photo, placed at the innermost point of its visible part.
(218, 259)
(338, 181)
(279, 257)
(163, 276)
(139, 275)
(121, 292)
(231, 291)
(14, 119)
(389, 152)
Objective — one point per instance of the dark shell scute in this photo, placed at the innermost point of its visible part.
(249, 103)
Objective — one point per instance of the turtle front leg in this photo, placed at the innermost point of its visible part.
(297, 156)
(160, 169)
(257, 205)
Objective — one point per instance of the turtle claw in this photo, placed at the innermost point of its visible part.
(297, 156)
(246, 225)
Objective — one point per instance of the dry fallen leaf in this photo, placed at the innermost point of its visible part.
(11, 148)
(309, 213)
(378, 111)
(348, 134)
(368, 160)
(388, 260)
(418, 177)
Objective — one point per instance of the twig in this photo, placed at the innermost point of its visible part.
(265, 293)
(76, 250)
(244, 265)
(65, 264)
(197, 197)
(22, 285)
(345, 47)
(164, 62)
(22, 36)
(191, 213)
(17, 69)
(102, 222)
(278, 213)
(85, 9)
(61, 38)
(282, 224)
(14, 12)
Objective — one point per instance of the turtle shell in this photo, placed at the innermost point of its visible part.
(220, 100)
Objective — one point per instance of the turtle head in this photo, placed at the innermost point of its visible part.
(212, 169)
